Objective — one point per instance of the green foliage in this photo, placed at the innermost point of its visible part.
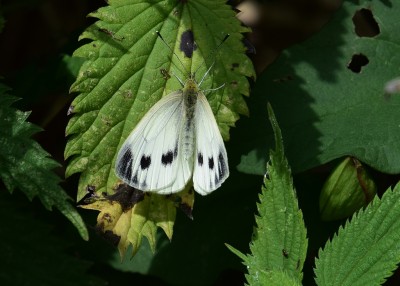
(124, 75)
(36, 256)
(325, 109)
(366, 250)
(279, 245)
(26, 166)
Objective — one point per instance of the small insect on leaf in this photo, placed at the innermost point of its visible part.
(285, 253)
(165, 74)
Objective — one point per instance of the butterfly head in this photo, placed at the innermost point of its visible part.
(191, 85)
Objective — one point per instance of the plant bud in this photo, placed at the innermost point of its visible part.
(347, 189)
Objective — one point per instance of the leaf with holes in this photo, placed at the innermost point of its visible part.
(328, 94)
(128, 68)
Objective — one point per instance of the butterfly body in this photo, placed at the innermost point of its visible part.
(190, 92)
(178, 139)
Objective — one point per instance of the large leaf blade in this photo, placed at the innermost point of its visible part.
(124, 76)
(326, 110)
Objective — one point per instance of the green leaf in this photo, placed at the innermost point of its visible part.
(26, 166)
(325, 109)
(273, 278)
(32, 254)
(279, 245)
(366, 250)
(124, 76)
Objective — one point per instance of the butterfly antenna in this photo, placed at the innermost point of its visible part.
(204, 76)
(162, 39)
(212, 54)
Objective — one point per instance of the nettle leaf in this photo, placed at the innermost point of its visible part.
(328, 94)
(279, 245)
(366, 250)
(24, 165)
(32, 254)
(128, 69)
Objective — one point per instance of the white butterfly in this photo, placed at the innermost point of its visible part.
(178, 139)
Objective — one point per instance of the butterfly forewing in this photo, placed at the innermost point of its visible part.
(211, 161)
(151, 158)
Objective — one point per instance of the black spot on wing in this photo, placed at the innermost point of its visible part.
(126, 164)
(167, 158)
(145, 162)
(188, 46)
(217, 179)
(135, 178)
(222, 168)
(176, 150)
(200, 159)
(211, 163)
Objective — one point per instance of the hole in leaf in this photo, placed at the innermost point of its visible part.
(365, 24)
(357, 62)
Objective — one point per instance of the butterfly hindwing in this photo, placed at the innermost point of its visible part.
(211, 160)
(150, 158)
